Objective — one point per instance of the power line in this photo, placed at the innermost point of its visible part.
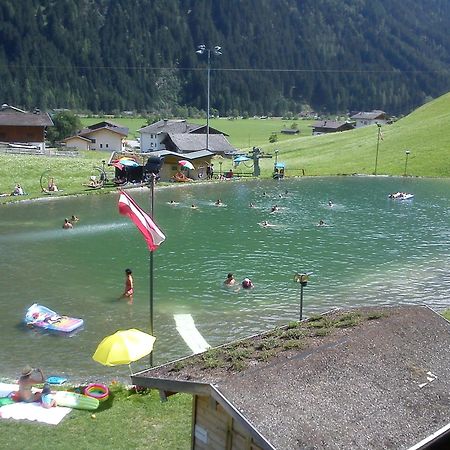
(237, 69)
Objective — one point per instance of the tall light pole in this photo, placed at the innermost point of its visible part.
(378, 146)
(407, 152)
(215, 51)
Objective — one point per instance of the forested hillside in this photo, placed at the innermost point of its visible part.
(278, 55)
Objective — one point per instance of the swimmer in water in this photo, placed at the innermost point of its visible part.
(230, 280)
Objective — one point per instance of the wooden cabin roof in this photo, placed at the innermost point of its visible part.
(382, 383)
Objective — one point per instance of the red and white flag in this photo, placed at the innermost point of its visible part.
(152, 234)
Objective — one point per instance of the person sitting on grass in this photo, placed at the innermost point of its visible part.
(27, 380)
(17, 190)
(52, 186)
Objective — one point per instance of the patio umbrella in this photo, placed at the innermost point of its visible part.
(186, 164)
(240, 159)
(123, 347)
(128, 162)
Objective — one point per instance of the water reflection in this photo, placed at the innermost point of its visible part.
(374, 251)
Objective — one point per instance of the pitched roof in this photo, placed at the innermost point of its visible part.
(372, 115)
(330, 124)
(86, 132)
(217, 143)
(188, 156)
(77, 137)
(170, 126)
(19, 118)
(383, 383)
(177, 126)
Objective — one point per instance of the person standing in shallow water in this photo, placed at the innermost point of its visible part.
(129, 286)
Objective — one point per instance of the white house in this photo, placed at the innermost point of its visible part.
(154, 137)
(363, 119)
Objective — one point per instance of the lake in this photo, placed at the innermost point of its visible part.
(372, 251)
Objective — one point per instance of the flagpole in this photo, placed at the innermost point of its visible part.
(152, 190)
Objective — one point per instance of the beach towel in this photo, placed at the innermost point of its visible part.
(188, 331)
(30, 411)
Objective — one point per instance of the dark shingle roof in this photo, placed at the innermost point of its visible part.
(217, 143)
(382, 384)
(170, 126)
(25, 119)
(330, 124)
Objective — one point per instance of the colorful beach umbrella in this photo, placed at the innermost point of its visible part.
(124, 347)
(186, 164)
(240, 159)
(128, 162)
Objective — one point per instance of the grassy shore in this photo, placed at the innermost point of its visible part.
(423, 133)
(127, 420)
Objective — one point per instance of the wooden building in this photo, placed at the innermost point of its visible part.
(18, 126)
(374, 377)
(200, 160)
(330, 126)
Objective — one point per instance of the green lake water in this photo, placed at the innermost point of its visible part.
(372, 251)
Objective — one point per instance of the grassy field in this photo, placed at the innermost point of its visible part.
(125, 421)
(243, 133)
(424, 133)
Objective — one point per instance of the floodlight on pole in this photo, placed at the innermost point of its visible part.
(216, 50)
(407, 152)
(302, 279)
(378, 146)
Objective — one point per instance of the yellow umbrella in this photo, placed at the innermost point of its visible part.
(123, 347)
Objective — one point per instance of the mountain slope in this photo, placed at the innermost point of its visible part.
(278, 55)
(424, 133)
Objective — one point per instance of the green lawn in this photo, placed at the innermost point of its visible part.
(243, 133)
(125, 421)
(424, 133)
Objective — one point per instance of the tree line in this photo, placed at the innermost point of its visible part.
(279, 56)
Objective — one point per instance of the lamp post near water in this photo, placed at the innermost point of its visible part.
(378, 146)
(302, 279)
(407, 152)
(215, 51)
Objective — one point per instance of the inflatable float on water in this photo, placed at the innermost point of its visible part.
(43, 317)
(401, 196)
